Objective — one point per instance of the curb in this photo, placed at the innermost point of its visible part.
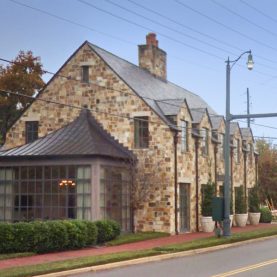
(153, 258)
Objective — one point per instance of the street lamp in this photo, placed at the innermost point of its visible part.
(226, 221)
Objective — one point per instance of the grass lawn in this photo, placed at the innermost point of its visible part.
(109, 258)
(128, 238)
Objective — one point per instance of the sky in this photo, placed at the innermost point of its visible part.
(198, 36)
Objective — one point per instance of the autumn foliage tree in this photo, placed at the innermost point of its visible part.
(267, 171)
(24, 76)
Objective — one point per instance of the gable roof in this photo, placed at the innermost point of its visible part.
(149, 87)
(198, 115)
(83, 137)
(246, 133)
(233, 127)
(216, 120)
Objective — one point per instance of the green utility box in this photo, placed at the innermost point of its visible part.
(217, 208)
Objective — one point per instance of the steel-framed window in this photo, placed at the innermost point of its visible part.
(45, 192)
(31, 131)
(141, 132)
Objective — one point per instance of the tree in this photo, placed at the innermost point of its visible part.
(267, 171)
(24, 76)
(146, 183)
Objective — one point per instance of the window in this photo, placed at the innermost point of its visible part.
(45, 192)
(141, 132)
(184, 135)
(31, 131)
(205, 147)
(222, 138)
(85, 73)
(238, 151)
(250, 153)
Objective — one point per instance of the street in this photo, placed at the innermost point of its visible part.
(256, 259)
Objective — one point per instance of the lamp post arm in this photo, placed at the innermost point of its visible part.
(236, 60)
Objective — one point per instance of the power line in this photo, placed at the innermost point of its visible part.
(224, 25)
(243, 18)
(148, 29)
(201, 33)
(259, 11)
(167, 27)
(93, 30)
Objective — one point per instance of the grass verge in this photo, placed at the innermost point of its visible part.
(116, 257)
(128, 238)
(15, 255)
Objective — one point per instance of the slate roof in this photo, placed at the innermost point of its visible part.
(84, 137)
(233, 127)
(216, 120)
(246, 133)
(147, 86)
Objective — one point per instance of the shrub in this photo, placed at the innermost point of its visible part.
(254, 202)
(6, 238)
(54, 235)
(240, 203)
(266, 216)
(107, 230)
(208, 192)
(92, 232)
(23, 237)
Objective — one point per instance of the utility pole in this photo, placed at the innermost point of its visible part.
(248, 108)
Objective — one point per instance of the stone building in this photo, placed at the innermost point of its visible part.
(118, 141)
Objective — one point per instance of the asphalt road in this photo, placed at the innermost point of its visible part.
(256, 259)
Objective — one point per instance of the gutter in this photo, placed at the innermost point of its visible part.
(197, 185)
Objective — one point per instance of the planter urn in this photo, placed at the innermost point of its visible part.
(207, 224)
(241, 219)
(254, 218)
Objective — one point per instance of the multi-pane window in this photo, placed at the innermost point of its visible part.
(31, 129)
(250, 153)
(45, 192)
(205, 144)
(85, 73)
(238, 150)
(141, 132)
(184, 135)
(222, 143)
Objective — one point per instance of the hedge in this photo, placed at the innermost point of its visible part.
(266, 216)
(55, 235)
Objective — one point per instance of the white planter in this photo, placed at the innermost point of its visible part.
(241, 219)
(254, 218)
(207, 224)
(231, 220)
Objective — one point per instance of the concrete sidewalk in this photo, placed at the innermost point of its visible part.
(66, 255)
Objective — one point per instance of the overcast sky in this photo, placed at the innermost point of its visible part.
(198, 36)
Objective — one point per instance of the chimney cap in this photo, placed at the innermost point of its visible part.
(151, 39)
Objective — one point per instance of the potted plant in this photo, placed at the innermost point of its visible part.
(208, 192)
(254, 206)
(241, 214)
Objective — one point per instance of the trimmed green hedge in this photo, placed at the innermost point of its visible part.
(266, 216)
(55, 235)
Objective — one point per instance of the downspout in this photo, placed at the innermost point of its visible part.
(215, 165)
(175, 182)
(197, 184)
(245, 177)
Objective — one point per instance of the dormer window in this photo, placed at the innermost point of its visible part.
(85, 73)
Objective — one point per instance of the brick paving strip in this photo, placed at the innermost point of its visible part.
(142, 245)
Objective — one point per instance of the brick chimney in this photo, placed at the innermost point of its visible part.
(152, 58)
